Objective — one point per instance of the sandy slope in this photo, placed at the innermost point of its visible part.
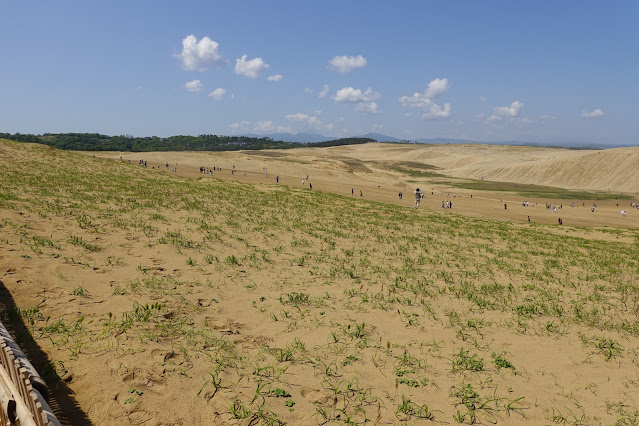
(603, 170)
(370, 168)
(344, 303)
(614, 169)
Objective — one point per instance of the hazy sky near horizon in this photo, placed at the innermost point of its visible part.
(542, 71)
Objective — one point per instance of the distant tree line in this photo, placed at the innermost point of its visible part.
(99, 142)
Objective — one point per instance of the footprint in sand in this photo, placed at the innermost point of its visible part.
(227, 328)
(140, 417)
(158, 355)
(157, 270)
(129, 377)
(161, 356)
(309, 393)
(316, 396)
(97, 411)
(253, 342)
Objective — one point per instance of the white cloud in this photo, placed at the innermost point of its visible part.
(347, 63)
(377, 127)
(218, 94)
(324, 91)
(252, 68)
(196, 55)
(436, 88)
(508, 111)
(482, 98)
(299, 117)
(435, 111)
(260, 127)
(194, 86)
(423, 101)
(430, 109)
(592, 114)
(276, 77)
(309, 120)
(366, 107)
(308, 90)
(363, 100)
(416, 101)
(241, 126)
(348, 94)
(269, 126)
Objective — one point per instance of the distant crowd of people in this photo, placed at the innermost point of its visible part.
(209, 170)
(142, 163)
(418, 193)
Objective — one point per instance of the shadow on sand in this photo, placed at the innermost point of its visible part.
(61, 399)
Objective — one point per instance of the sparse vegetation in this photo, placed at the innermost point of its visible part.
(266, 314)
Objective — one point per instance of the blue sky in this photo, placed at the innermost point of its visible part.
(538, 71)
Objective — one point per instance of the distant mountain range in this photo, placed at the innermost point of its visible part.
(313, 137)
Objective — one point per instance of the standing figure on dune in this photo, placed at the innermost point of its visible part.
(418, 197)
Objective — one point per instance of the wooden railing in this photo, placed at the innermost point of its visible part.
(23, 393)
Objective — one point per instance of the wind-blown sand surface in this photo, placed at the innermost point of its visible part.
(613, 169)
(158, 298)
(373, 169)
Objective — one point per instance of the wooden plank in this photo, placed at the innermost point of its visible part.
(23, 393)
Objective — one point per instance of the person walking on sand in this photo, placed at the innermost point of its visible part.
(418, 197)
(277, 178)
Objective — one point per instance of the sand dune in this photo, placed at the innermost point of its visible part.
(177, 298)
(614, 169)
(380, 172)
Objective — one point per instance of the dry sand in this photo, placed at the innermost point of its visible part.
(352, 307)
(371, 168)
